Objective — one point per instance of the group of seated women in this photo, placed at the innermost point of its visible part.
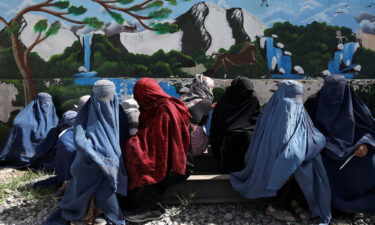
(114, 161)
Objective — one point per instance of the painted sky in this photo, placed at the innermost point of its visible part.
(299, 12)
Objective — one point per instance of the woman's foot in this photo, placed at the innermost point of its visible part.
(279, 214)
(298, 210)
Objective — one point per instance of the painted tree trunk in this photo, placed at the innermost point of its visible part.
(25, 70)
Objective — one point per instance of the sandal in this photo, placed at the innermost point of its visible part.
(281, 215)
(300, 212)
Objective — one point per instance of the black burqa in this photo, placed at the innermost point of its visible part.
(232, 124)
(346, 121)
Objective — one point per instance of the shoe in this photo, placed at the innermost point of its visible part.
(100, 221)
(281, 215)
(59, 194)
(143, 215)
(49, 183)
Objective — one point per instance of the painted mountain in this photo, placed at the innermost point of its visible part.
(198, 30)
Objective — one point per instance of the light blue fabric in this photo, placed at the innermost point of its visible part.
(65, 154)
(98, 170)
(33, 135)
(69, 117)
(65, 149)
(285, 144)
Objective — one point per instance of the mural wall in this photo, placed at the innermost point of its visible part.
(64, 46)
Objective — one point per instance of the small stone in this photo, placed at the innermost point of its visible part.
(359, 216)
(212, 211)
(246, 215)
(8, 191)
(368, 220)
(228, 216)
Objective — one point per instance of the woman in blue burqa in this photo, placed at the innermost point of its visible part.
(33, 135)
(349, 127)
(284, 160)
(98, 172)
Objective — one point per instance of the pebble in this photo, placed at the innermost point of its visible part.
(17, 209)
(228, 217)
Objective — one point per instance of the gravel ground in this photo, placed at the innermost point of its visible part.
(19, 205)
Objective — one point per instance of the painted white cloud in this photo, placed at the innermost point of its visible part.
(21, 6)
(272, 13)
(319, 17)
(325, 15)
(276, 20)
(223, 4)
(309, 5)
(367, 26)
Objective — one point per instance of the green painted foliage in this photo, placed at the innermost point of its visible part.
(53, 29)
(163, 13)
(93, 22)
(164, 28)
(125, 2)
(156, 4)
(312, 45)
(117, 17)
(172, 2)
(77, 11)
(366, 58)
(13, 28)
(41, 26)
(62, 4)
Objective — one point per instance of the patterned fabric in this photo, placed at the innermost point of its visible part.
(201, 88)
(199, 140)
(163, 138)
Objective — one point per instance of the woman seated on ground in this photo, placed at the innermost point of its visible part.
(198, 99)
(131, 109)
(156, 156)
(349, 127)
(233, 122)
(284, 159)
(33, 135)
(98, 172)
(65, 152)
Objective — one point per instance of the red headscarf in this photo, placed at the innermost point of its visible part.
(163, 138)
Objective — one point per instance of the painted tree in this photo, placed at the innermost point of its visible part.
(65, 11)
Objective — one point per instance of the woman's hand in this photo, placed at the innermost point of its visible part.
(213, 105)
(361, 151)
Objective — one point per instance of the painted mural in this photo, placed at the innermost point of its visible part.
(64, 46)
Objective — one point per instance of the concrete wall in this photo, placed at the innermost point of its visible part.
(263, 87)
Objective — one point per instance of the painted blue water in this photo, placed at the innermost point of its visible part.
(125, 87)
(87, 50)
(334, 64)
(349, 50)
(284, 62)
(270, 52)
(344, 57)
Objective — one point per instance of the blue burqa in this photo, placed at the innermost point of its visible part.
(65, 149)
(286, 143)
(97, 170)
(347, 123)
(33, 135)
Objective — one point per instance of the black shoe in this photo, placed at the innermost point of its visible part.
(143, 215)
